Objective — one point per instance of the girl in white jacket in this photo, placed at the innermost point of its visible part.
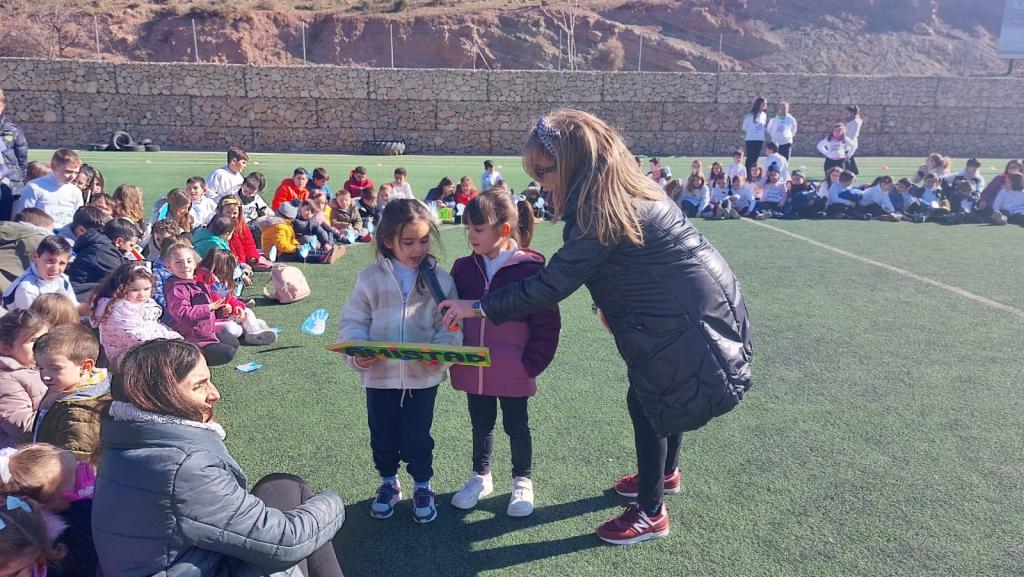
(837, 148)
(391, 302)
(124, 310)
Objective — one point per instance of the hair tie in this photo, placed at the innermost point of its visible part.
(5, 463)
(16, 503)
(545, 132)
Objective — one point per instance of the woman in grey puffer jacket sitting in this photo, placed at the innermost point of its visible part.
(170, 501)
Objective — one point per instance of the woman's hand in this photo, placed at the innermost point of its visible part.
(457, 311)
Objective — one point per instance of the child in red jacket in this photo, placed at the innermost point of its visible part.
(499, 233)
(242, 243)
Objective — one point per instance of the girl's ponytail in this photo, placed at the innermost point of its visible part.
(525, 223)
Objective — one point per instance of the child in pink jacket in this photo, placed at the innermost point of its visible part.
(499, 232)
(21, 388)
(124, 311)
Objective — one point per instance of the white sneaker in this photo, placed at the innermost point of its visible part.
(521, 503)
(476, 487)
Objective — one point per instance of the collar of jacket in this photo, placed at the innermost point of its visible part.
(128, 413)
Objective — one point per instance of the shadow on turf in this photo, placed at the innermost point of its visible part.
(398, 546)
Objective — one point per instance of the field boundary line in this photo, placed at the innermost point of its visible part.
(912, 275)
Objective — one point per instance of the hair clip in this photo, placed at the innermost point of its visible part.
(16, 503)
(5, 463)
(545, 132)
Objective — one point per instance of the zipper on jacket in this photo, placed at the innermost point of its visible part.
(483, 324)
(401, 329)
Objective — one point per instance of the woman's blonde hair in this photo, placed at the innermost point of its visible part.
(591, 155)
(127, 201)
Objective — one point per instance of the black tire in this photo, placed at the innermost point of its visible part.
(145, 141)
(121, 140)
(383, 147)
(135, 148)
(97, 146)
(152, 148)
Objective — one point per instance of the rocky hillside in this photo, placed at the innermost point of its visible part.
(931, 37)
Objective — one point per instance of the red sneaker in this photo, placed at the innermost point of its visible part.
(634, 526)
(629, 485)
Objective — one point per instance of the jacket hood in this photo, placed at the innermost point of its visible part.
(93, 237)
(522, 255)
(97, 384)
(15, 231)
(10, 364)
(122, 412)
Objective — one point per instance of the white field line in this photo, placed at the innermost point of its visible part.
(921, 278)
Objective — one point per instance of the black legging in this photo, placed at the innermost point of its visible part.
(285, 492)
(221, 353)
(830, 163)
(784, 149)
(483, 412)
(753, 153)
(656, 456)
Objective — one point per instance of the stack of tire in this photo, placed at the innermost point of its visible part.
(122, 141)
(384, 147)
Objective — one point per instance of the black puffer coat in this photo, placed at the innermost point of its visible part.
(95, 258)
(15, 157)
(676, 311)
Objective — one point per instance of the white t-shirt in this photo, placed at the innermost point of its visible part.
(754, 125)
(779, 160)
(46, 193)
(223, 182)
(853, 129)
(782, 129)
(488, 180)
(403, 190)
(1011, 201)
(203, 211)
(734, 170)
(875, 195)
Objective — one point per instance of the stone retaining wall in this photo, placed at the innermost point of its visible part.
(333, 109)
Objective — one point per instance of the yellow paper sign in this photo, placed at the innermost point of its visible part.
(470, 356)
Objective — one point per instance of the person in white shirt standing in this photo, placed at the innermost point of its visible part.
(56, 194)
(782, 130)
(775, 158)
(853, 122)
(228, 178)
(400, 187)
(754, 128)
(490, 177)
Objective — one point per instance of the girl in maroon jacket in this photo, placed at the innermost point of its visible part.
(499, 233)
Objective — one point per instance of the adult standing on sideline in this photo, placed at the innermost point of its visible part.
(853, 122)
(170, 499)
(754, 124)
(667, 296)
(782, 129)
(13, 161)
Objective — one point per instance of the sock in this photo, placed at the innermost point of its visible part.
(390, 479)
(653, 511)
(423, 485)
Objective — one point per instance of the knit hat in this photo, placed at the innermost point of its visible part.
(289, 210)
(799, 173)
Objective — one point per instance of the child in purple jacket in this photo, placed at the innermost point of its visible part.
(191, 308)
(499, 233)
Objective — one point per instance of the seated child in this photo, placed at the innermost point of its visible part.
(742, 196)
(78, 392)
(203, 207)
(177, 207)
(932, 203)
(674, 189)
(124, 311)
(21, 388)
(737, 168)
(45, 275)
(291, 189)
(1008, 207)
(60, 485)
(963, 200)
(29, 539)
(217, 271)
(384, 194)
(804, 200)
(241, 241)
(253, 205)
(903, 200)
(695, 197)
(697, 167)
(719, 194)
(277, 235)
(345, 217)
(323, 207)
(191, 308)
(774, 195)
(323, 243)
(217, 234)
(160, 231)
(102, 201)
(18, 240)
(56, 309)
(369, 210)
(98, 253)
(160, 271)
(842, 198)
(875, 201)
(88, 217)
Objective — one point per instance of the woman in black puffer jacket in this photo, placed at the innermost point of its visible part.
(667, 295)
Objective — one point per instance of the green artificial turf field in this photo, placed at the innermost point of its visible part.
(883, 435)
